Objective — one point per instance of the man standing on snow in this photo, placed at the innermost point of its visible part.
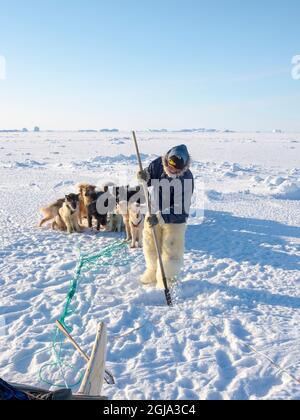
(172, 185)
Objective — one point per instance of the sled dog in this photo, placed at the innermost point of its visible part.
(93, 210)
(69, 213)
(51, 212)
(122, 209)
(115, 223)
(84, 200)
(136, 223)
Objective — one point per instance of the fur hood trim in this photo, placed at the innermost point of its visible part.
(178, 175)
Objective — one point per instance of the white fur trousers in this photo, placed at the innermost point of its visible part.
(171, 238)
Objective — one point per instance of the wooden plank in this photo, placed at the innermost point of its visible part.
(94, 376)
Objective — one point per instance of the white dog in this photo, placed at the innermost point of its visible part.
(136, 223)
(115, 223)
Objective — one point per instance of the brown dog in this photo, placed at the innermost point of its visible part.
(85, 200)
(51, 212)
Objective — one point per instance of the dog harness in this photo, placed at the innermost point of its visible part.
(141, 220)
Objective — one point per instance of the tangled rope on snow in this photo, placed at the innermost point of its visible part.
(85, 262)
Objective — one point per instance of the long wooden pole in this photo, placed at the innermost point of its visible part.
(71, 339)
(146, 192)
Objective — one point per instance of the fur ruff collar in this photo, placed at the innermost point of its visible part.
(178, 175)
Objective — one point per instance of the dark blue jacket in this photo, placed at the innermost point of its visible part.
(177, 215)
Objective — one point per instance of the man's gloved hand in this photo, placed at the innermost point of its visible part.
(153, 220)
(143, 176)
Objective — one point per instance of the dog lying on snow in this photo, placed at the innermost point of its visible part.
(69, 213)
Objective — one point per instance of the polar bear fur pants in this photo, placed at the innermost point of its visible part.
(171, 239)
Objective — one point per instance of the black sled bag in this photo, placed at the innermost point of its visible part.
(9, 393)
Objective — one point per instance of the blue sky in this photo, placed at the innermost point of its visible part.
(74, 64)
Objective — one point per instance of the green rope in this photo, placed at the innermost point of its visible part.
(84, 262)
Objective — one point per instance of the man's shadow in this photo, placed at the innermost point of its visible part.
(261, 242)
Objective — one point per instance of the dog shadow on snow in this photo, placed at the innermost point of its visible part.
(258, 242)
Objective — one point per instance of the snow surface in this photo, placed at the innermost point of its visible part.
(240, 283)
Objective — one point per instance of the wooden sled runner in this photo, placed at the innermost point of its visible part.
(94, 376)
(93, 380)
(92, 383)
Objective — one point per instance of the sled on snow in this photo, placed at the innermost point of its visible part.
(93, 379)
(92, 383)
